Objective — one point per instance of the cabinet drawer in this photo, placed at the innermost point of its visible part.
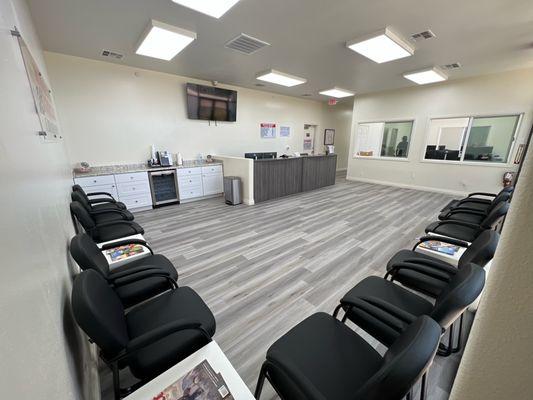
(136, 200)
(133, 187)
(189, 171)
(191, 192)
(189, 181)
(132, 177)
(95, 180)
(213, 184)
(214, 169)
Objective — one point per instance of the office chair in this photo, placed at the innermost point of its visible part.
(133, 282)
(103, 232)
(323, 359)
(102, 215)
(479, 201)
(436, 274)
(100, 202)
(149, 339)
(384, 309)
(474, 212)
(468, 231)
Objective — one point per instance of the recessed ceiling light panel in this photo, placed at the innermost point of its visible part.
(382, 46)
(213, 8)
(280, 78)
(427, 75)
(164, 41)
(337, 93)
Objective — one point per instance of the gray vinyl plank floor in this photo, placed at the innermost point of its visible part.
(264, 268)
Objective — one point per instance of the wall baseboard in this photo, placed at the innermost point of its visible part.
(248, 202)
(342, 169)
(407, 186)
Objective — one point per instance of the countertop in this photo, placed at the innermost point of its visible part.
(142, 167)
(294, 158)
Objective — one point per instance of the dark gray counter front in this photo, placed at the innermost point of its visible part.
(280, 177)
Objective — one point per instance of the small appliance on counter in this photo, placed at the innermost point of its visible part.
(330, 149)
(165, 158)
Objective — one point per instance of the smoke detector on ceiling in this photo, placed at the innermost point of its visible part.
(112, 54)
(246, 44)
(425, 35)
(451, 66)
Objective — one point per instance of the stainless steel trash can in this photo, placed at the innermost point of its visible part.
(232, 190)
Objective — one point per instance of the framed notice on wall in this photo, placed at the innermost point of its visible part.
(329, 137)
(42, 95)
(268, 130)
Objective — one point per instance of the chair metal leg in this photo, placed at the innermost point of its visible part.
(337, 310)
(260, 382)
(444, 350)
(409, 395)
(116, 380)
(424, 387)
(458, 348)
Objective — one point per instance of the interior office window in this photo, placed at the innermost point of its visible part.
(487, 139)
(384, 139)
(491, 138)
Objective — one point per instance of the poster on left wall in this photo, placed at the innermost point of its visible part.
(42, 95)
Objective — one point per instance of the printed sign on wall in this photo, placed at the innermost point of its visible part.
(268, 130)
(284, 131)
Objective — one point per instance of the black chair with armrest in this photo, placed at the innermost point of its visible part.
(481, 201)
(323, 359)
(468, 231)
(103, 232)
(384, 309)
(437, 273)
(134, 282)
(100, 200)
(149, 339)
(472, 211)
(102, 215)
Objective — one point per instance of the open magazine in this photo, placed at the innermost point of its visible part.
(123, 252)
(441, 247)
(200, 383)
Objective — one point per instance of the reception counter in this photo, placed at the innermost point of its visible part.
(280, 177)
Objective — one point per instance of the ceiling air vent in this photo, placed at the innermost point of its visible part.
(112, 54)
(417, 37)
(246, 44)
(451, 66)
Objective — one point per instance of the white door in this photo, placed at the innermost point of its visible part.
(213, 184)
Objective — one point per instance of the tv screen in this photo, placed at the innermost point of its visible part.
(211, 103)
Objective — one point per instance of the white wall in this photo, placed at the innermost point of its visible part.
(41, 351)
(510, 92)
(112, 114)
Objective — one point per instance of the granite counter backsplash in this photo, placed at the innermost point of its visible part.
(141, 167)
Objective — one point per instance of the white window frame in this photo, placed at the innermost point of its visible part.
(383, 121)
(471, 118)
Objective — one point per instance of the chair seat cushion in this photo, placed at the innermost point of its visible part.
(416, 280)
(454, 231)
(323, 355)
(375, 289)
(181, 303)
(144, 289)
(463, 216)
(116, 231)
(125, 215)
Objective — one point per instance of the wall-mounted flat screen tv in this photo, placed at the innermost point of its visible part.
(211, 103)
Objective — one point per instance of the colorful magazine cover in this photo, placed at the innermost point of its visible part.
(122, 252)
(441, 247)
(200, 383)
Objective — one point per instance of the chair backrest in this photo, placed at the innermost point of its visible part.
(462, 290)
(509, 189)
(82, 215)
(504, 195)
(404, 363)
(87, 254)
(495, 214)
(482, 250)
(80, 198)
(99, 312)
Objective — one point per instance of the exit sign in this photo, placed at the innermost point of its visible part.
(332, 102)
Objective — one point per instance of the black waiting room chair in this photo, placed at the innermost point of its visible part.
(480, 201)
(103, 232)
(323, 359)
(134, 282)
(99, 200)
(468, 231)
(101, 215)
(150, 338)
(435, 274)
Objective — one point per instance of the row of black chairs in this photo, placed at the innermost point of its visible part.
(137, 314)
(408, 311)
